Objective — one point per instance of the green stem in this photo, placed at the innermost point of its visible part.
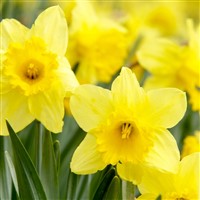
(128, 190)
(38, 146)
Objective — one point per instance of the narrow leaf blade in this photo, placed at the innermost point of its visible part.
(5, 178)
(30, 186)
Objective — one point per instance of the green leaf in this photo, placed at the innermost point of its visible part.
(128, 190)
(48, 173)
(5, 178)
(70, 138)
(159, 197)
(71, 185)
(12, 171)
(113, 191)
(29, 183)
(104, 184)
(82, 187)
(56, 146)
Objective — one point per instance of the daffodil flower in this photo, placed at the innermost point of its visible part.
(35, 75)
(174, 65)
(191, 144)
(97, 44)
(183, 185)
(126, 127)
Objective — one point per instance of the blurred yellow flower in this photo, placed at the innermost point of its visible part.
(126, 127)
(35, 75)
(184, 185)
(139, 17)
(67, 7)
(191, 144)
(173, 65)
(97, 45)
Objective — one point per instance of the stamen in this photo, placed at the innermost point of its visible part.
(126, 130)
(32, 71)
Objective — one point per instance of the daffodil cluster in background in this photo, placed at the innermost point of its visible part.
(100, 100)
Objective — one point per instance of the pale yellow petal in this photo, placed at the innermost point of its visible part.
(90, 105)
(194, 40)
(51, 25)
(5, 84)
(12, 31)
(48, 108)
(189, 173)
(67, 76)
(130, 172)
(126, 89)
(3, 128)
(157, 182)
(148, 197)
(16, 110)
(83, 14)
(86, 159)
(161, 81)
(167, 106)
(164, 155)
(160, 56)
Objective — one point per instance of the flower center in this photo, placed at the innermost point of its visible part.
(126, 130)
(30, 66)
(32, 71)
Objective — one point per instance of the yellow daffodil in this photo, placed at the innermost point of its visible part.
(191, 144)
(67, 7)
(163, 17)
(166, 18)
(126, 127)
(184, 185)
(97, 44)
(35, 75)
(173, 65)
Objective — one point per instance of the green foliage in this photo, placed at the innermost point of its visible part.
(5, 178)
(39, 169)
(113, 191)
(29, 184)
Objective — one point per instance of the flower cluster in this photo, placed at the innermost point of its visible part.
(114, 79)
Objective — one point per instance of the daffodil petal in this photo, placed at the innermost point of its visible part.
(16, 108)
(48, 108)
(51, 25)
(90, 105)
(160, 56)
(5, 85)
(189, 173)
(67, 76)
(80, 15)
(130, 172)
(126, 89)
(167, 106)
(186, 179)
(155, 82)
(86, 158)
(147, 197)
(156, 182)
(3, 127)
(164, 154)
(12, 31)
